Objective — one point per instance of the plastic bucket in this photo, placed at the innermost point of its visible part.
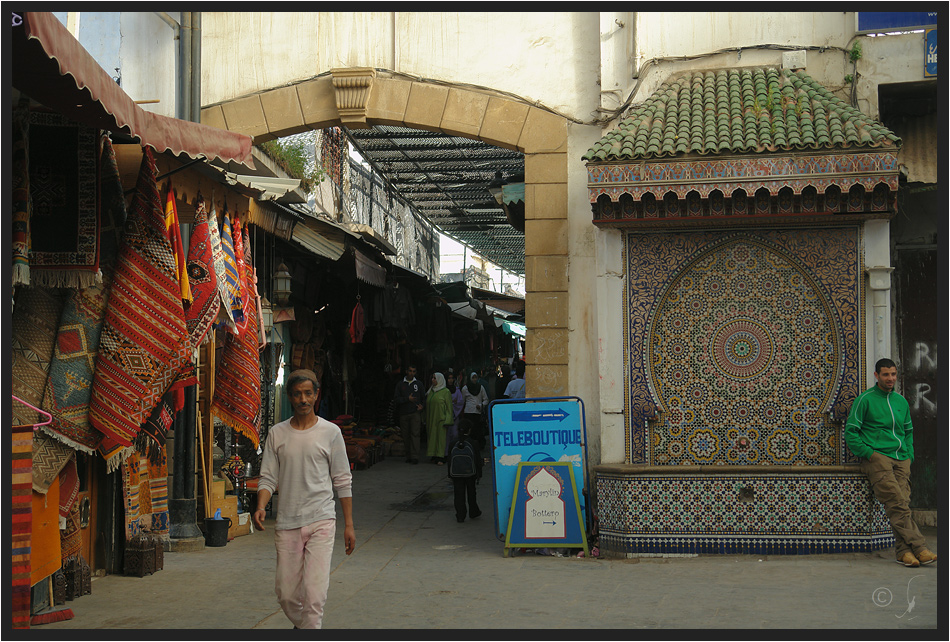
(216, 531)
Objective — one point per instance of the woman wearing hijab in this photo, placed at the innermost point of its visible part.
(439, 416)
(458, 404)
(476, 402)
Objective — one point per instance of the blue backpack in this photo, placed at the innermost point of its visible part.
(462, 460)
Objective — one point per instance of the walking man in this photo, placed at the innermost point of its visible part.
(408, 399)
(880, 432)
(305, 458)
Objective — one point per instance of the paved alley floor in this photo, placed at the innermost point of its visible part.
(415, 567)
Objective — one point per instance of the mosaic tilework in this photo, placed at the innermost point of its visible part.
(766, 514)
(738, 342)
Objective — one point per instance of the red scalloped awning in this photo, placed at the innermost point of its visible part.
(51, 67)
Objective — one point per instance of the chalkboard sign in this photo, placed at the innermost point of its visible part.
(545, 508)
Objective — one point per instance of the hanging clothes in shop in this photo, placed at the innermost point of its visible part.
(357, 323)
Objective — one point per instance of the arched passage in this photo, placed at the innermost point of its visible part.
(363, 97)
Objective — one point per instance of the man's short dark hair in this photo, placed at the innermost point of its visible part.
(884, 363)
(299, 376)
(520, 368)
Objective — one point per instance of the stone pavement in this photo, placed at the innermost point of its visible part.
(415, 567)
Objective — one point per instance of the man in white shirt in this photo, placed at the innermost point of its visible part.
(515, 389)
(305, 457)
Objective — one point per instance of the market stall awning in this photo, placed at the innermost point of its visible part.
(51, 67)
(368, 270)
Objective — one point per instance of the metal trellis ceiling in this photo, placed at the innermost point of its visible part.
(446, 178)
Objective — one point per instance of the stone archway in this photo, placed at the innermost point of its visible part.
(363, 97)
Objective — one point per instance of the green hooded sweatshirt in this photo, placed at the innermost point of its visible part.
(880, 422)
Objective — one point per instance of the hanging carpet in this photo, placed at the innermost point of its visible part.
(203, 279)
(21, 195)
(144, 345)
(49, 458)
(145, 495)
(151, 439)
(73, 363)
(242, 267)
(220, 270)
(232, 278)
(21, 525)
(64, 213)
(237, 385)
(173, 229)
(70, 538)
(36, 313)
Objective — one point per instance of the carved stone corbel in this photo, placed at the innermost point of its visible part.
(352, 87)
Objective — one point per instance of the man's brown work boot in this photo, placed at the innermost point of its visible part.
(908, 559)
(925, 556)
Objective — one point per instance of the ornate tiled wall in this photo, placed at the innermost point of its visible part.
(739, 342)
(740, 513)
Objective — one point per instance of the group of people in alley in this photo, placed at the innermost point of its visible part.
(305, 456)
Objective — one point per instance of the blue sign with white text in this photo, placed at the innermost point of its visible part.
(535, 430)
(930, 60)
(883, 21)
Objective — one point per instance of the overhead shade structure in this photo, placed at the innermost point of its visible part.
(368, 270)
(51, 67)
(510, 327)
(319, 244)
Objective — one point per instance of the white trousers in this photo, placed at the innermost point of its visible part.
(303, 571)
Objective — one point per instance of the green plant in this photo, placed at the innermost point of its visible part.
(855, 54)
(292, 157)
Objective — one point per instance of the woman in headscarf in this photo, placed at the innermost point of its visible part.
(439, 416)
(476, 403)
(458, 404)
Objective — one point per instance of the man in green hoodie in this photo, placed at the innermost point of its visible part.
(880, 432)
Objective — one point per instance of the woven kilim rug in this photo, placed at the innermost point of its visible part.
(49, 458)
(36, 313)
(22, 523)
(21, 195)
(64, 213)
(173, 229)
(144, 345)
(145, 495)
(71, 369)
(220, 270)
(237, 384)
(246, 303)
(203, 310)
(70, 538)
(231, 275)
(150, 441)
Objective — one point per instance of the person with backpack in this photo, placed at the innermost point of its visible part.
(465, 469)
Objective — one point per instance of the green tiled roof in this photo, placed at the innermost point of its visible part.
(744, 110)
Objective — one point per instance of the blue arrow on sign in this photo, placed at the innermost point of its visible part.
(539, 415)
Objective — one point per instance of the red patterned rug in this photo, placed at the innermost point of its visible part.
(22, 524)
(237, 385)
(204, 307)
(144, 345)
